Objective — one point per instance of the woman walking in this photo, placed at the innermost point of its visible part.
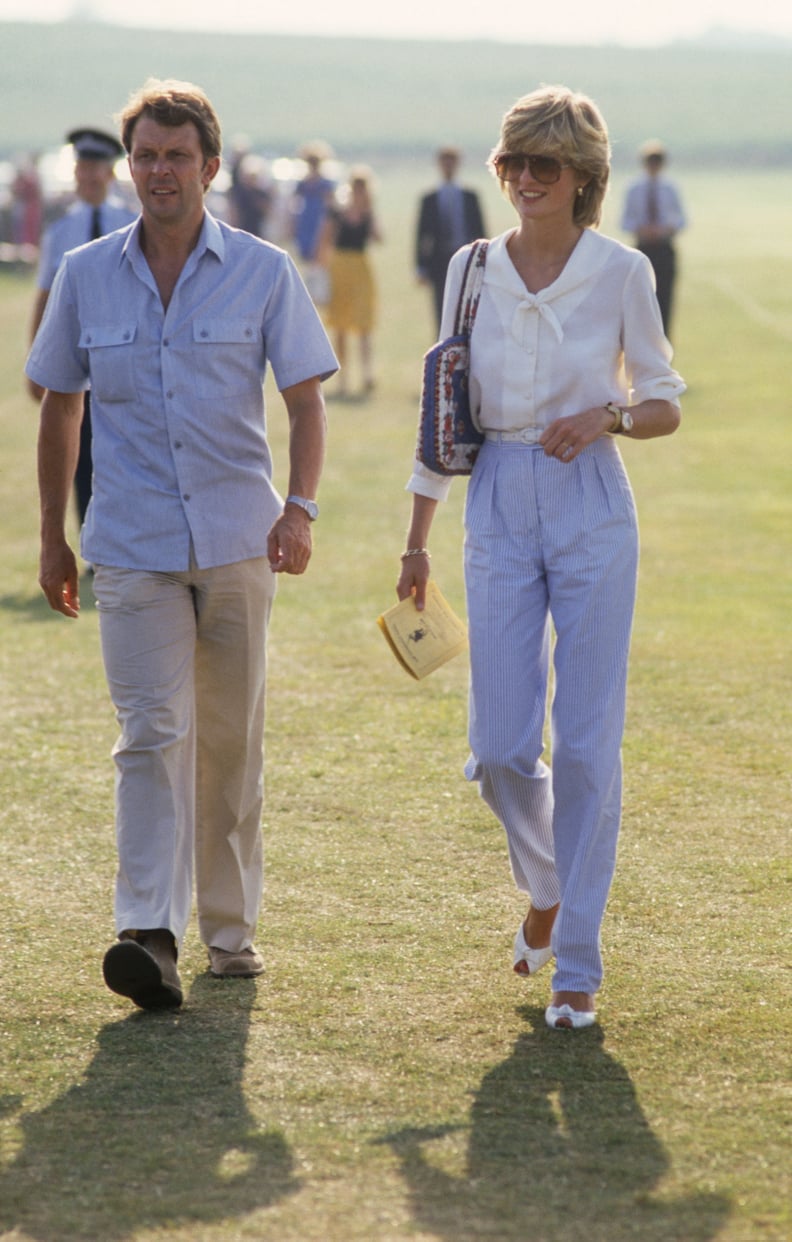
(351, 226)
(567, 356)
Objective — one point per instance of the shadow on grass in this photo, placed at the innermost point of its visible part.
(558, 1149)
(32, 607)
(157, 1131)
(35, 607)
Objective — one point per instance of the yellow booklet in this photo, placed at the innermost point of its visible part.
(422, 641)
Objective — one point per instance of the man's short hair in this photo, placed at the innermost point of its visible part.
(653, 150)
(172, 103)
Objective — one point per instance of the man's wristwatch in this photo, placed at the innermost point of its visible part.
(624, 420)
(310, 506)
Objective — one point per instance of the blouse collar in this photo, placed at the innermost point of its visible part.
(584, 261)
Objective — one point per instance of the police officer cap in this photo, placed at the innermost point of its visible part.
(95, 144)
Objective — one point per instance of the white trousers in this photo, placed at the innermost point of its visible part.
(185, 659)
(552, 546)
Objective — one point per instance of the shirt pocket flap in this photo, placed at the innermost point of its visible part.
(112, 362)
(225, 332)
(101, 336)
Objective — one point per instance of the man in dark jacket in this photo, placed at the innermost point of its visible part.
(449, 217)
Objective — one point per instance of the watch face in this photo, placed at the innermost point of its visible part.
(627, 421)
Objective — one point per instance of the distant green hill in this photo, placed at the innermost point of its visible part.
(397, 98)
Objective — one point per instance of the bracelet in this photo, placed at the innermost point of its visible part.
(416, 552)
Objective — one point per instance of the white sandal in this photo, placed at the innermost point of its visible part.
(535, 958)
(565, 1018)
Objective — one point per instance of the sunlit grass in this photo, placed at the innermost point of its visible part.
(389, 1078)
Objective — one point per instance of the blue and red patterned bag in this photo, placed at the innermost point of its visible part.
(448, 438)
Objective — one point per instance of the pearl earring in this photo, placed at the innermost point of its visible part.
(580, 191)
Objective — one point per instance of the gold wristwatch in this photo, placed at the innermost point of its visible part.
(624, 420)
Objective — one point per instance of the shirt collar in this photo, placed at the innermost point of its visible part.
(209, 238)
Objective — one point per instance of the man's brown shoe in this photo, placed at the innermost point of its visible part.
(142, 966)
(242, 965)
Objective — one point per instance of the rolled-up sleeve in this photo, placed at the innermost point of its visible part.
(425, 482)
(647, 352)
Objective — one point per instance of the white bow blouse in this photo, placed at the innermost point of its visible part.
(594, 335)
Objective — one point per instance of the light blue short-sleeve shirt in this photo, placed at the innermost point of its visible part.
(73, 229)
(180, 451)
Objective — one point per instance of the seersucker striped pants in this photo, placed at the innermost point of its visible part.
(551, 549)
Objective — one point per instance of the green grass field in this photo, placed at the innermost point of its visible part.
(389, 1078)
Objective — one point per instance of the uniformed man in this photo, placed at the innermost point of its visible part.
(97, 210)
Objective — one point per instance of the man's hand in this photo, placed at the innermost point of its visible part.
(58, 446)
(59, 578)
(289, 544)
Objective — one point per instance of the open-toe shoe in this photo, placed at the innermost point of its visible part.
(534, 958)
(565, 1018)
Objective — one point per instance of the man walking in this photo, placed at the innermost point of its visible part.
(653, 212)
(172, 323)
(448, 217)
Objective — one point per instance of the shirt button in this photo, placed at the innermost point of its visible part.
(166, 341)
(169, 394)
(248, 331)
(204, 334)
(177, 444)
(127, 336)
(186, 496)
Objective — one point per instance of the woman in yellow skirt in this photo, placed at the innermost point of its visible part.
(351, 225)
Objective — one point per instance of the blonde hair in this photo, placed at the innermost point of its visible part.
(554, 120)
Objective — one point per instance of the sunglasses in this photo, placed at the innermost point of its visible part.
(545, 169)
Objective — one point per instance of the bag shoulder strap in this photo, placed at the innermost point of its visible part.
(470, 291)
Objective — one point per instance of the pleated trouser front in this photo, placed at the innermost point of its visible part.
(551, 552)
(185, 659)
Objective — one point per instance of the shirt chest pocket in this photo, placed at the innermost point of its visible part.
(228, 357)
(111, 360)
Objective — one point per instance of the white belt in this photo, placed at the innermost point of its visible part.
(528, 435)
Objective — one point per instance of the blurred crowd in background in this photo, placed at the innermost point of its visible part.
(252, 191)
(308, 203)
